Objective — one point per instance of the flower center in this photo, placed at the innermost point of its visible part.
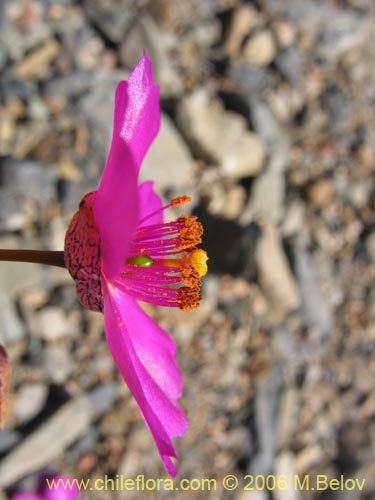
(165, 265)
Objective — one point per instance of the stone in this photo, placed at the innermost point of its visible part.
(11, 327)
(284, 466)
(97, 106)
(267, 196)
(113, 17)
(103, 398)
(260, 49)
(145, 34)
(177, 15)
(370, 246)
(289, 63)
(314, 304)
(29, 179)
(29, 401)
(268, 191)
(8, 439)
(220, 136)
(168, 161)
(17, 43)
(35, 64)
(28, 137)
(275, 276)
(51, 323)
(294, 219)
(244, 19)
(47, 442)
(252, 79)
(56, 363)
(265, 403)
(15, 276)
(285, 33)
(336, 105)
(320, 192)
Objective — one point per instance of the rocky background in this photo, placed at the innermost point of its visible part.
(268, 123)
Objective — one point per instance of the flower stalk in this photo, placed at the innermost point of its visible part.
(46, 257)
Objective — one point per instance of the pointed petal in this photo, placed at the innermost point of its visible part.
(141, 121)
(145, 356)
(136, 122)
(149, 202)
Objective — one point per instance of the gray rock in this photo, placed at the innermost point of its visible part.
(68, 86)
(146, 35)
(12, 216)
(3, 57)
(112, 17)
(275, 276)
(11, 327)
(51, 323)
(315, 306)
(284, 466)
(268, 190)
(97, 108)
(103, 398)
(250, 78)
(56, 363)
(168, 162)
(336, 104)
(220, 136)
(29, 401)
(14, 276)
(29, 179)
(17, 43)
(8, 439)
(175, 15)
(289, 63)
(370, 246)
(47, 442)
(266, 407)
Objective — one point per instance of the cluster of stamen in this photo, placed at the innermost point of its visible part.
(165, 265)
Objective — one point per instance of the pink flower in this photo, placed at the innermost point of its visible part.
(61, 488)
(118, 250)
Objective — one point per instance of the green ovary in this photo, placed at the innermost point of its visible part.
(140, 261)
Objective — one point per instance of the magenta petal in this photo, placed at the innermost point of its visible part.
(66, 489)
(149, 202)
(26, 496)
(136, 122)
(141, 121)
(145, 356)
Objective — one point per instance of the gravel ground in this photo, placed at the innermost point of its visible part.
(268, 123)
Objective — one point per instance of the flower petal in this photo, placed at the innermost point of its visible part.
(149, 202)
(26, 496)
(61, 488)
(145, 356)
(140, 123)
(136, 122)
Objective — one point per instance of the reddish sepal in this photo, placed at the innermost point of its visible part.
(82, 255)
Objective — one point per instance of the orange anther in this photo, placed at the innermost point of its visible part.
(180, 200)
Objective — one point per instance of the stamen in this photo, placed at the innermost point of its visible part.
(190, 232)
(199, 261)
(180, 200)
(189, 298)
(176, 202)
(165, 266)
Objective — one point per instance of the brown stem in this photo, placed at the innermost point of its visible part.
(47, 257)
